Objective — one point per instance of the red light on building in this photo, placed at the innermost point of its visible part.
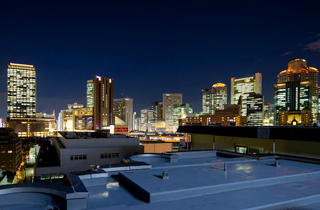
(54, 114)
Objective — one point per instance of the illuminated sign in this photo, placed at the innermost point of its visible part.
(112, 129)
(118, 130)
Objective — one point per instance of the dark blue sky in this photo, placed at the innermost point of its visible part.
(153, 47)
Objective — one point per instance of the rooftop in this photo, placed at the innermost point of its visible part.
(197, 180)
(73, 140)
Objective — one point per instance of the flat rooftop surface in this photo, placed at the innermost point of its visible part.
(201, 183)
(193, 176)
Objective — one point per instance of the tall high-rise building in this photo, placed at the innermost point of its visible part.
(90, 93)
(181, 111)
(21, 103)
(100, 91)
(297, 90)
(242, 86)
(123, 109)
(151, 120)
(143, 125)
(268, 115)
(137, 123)
(214, 98)
(160, 111)
(255, 109)
(155, 108)
(134, 116)
(169, 101)
(207, 101)
(21, 91)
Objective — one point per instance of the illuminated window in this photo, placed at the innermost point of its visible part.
(10, 151)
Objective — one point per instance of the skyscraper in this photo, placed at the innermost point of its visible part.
(214, 98)
(155, 108)
(143, 120)
(123, 109)
(255, 109)
(150, 121)
(21, 91)
(90, 93)
(100, 91)
(268, 115)
(242, 86)
(181, 111)
(160, 111)
(297, 90)
(134, 116)
(169, 101)
(21, 103)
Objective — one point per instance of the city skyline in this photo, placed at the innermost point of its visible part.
(154, 49)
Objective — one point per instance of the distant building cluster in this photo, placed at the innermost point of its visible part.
(296, 102)
(97, 116)
(163, 116)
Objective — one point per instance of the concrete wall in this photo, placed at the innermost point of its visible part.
(157, 147)
(202, 141)
(300, 148)
(290, 147)
(229, 142)
(101, 142)
(31, 199)
(57, 146)
(93, 155)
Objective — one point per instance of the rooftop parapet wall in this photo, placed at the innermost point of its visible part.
(98, 142)
(285, 133)
(109, 142)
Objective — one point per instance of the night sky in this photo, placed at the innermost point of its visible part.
(153, 47)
